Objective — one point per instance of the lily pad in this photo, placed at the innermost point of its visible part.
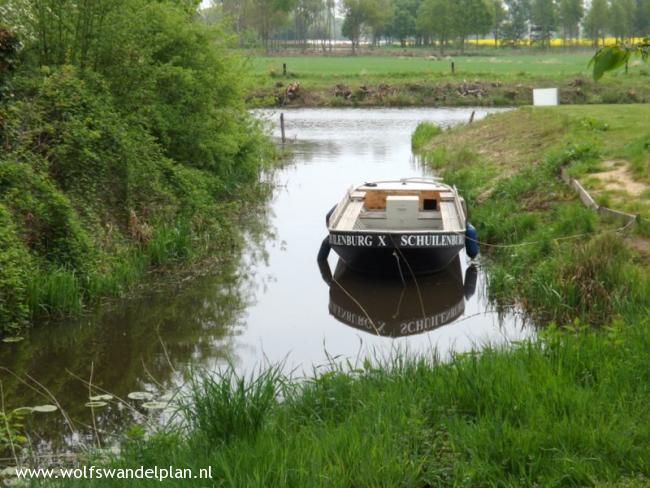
(8, 471)
(96, 404)
(10, 340)
(154, 405)
(100, 398)
(21, 410)
(140, 395)
(45, 408)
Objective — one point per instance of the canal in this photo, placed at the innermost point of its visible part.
(271, 306)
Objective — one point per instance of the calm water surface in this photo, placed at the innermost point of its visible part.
(271, 306)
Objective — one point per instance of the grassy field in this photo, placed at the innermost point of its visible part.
(423, 79)
(568, 408)
(404, 66)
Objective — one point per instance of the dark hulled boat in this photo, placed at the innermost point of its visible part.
(412, 225)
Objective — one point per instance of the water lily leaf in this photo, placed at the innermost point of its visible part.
(45, 408)
(96, 404)
(8, 471)
(9, 340)
(154, 405)
(100, 398)
(140, 395)
(21, 410)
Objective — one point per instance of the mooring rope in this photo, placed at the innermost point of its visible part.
(417, 285)
(399, 267)
(358, 304)
(561, 238)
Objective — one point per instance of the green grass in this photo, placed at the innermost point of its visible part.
(505, 79)
(596, 275)
(569, 409)
(423, 134)
(556, 64)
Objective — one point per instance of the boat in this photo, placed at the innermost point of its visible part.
(407, 226)
(392, 308)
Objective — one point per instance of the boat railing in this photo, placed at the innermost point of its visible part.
(340, 208)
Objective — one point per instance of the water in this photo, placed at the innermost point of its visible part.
(273, 305)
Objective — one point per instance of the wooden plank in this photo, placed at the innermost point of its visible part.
(617, 214)
(350, 216)
(376, 199)
(584, 195)
(449, 215)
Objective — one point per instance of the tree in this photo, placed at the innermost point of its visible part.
(379, 15)
(621, 18)
(544, 20)
(267, 15)
(570, 13)
(403, 25)
(595, 22)
(498, 18)
(642, 18)
(355, 16)
(480, 17)
(515, 27)
(434, 18)
(306, 13)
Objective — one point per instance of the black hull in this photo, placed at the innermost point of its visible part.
(389, 307)
(390, 254)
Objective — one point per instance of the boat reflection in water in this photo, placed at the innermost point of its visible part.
(393, 308)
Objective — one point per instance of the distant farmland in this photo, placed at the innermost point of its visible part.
(554, 64)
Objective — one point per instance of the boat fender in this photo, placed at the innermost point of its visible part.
(328, 215)
(323, 264)
(471, 276)
(471, 243)
(324, 250)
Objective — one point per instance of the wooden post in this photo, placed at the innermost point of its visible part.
(284, 69)
(471, 117)
(453, 68)
(282, 127)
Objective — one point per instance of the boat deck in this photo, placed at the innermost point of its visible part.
(362, 210)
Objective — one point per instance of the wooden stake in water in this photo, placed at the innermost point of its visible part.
(453, 68)
(471, 117)
(284, 69)
(282, 127)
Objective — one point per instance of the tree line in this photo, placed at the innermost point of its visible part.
(432, 22)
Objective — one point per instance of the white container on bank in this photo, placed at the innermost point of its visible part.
(544, 97)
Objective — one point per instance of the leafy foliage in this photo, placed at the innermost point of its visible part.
(613, 57)
(121, 148)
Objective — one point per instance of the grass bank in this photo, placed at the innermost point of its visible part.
(423, 78)
(568, 408)
(507, 166)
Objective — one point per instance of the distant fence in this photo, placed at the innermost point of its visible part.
(589, 201)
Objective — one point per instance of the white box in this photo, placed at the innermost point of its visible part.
(545, 97)
(402, 211)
